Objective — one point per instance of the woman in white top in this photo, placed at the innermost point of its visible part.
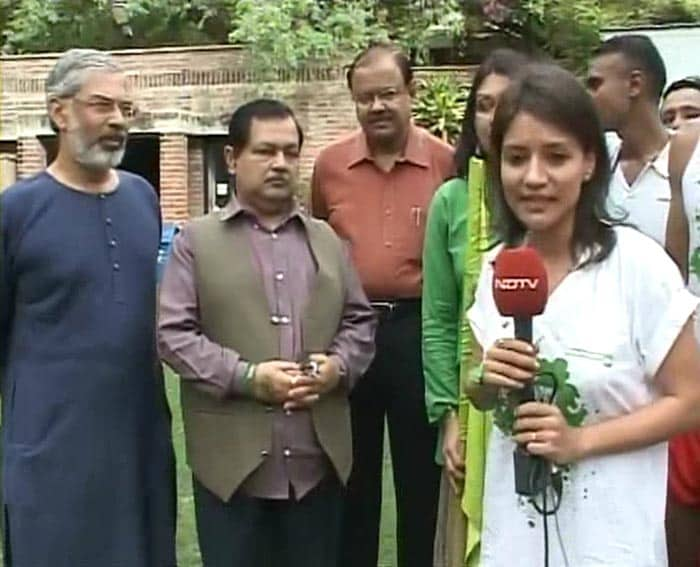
(616, 337)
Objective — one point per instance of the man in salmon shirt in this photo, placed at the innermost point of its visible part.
(374, 187)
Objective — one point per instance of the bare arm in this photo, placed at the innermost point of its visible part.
(677, 409)
(543, 430)
(677, 229)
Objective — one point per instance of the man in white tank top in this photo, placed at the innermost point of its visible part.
(626, 78)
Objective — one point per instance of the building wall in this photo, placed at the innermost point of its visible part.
(675, 43)
(184, 94)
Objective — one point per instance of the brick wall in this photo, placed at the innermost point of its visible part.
(31, 157)
(186, 93)
(195, 177)
(173, 177)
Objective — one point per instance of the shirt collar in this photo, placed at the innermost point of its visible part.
(660, 163)
(413, 152)
(235, 209)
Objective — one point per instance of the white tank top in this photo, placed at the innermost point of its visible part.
(691, 204)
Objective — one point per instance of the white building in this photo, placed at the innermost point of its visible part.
(678, 44)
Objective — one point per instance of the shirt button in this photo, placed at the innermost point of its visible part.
(279, 276)
(269, 409)
(264, 453)
(388, 212)
(113, 243)
(387, 244)
(288, 412)
(284, 320)
(108, 220)
(102, 196)
(287, 453)
(116, 266)
(275, 320)
(274, 236)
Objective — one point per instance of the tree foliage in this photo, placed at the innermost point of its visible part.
(288, 33)
(55, 25)
(566, 30)
(631, 12)
(416, 24)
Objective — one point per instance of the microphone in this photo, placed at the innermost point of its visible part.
(520, 290)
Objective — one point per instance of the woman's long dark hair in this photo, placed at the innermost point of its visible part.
(556, 97)
(505, 62)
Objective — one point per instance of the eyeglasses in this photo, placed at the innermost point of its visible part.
(387, 96)
(105, 106)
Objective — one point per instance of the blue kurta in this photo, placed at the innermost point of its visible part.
(88, 474)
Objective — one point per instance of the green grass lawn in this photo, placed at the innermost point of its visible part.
(188, 552)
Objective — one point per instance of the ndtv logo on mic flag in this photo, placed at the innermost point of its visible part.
(519, 282)
(512, 284)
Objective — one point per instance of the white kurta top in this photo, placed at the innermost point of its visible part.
(646, 202)
(614, 323)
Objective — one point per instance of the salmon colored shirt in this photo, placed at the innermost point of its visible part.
(381, 214)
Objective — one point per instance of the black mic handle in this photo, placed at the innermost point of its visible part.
(523, 328)
(523, 332)
(529, 472)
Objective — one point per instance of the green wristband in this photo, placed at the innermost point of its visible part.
(249, 374)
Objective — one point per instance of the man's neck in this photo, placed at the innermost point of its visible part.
(80, 178)
(271, 217)
(385, 153)
(643, 137)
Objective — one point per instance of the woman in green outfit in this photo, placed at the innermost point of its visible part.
(456, 235)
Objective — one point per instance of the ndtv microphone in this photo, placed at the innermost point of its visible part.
(520, 291)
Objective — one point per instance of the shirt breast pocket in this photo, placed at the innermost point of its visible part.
(606, 369)
(410, 231)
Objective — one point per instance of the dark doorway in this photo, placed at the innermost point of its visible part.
(219, 183)
(142, 155)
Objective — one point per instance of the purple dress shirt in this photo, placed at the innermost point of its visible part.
(296, 462)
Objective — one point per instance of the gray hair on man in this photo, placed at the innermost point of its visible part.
(66, 79)
(70, 71)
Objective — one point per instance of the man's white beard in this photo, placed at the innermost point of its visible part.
(93, 156)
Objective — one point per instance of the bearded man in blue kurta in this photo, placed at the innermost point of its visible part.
(88, 467)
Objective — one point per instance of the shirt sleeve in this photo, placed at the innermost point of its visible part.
(354, 343)
(440, 316)
(181, 343)
(319, 208)
(661, 305)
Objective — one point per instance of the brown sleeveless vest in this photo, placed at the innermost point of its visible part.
(227, 438)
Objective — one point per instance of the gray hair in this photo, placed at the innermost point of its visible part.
(70, 72)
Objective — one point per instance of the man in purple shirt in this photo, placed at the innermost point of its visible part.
(264, 318)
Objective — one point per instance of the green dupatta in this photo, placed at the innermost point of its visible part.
(476, 425)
